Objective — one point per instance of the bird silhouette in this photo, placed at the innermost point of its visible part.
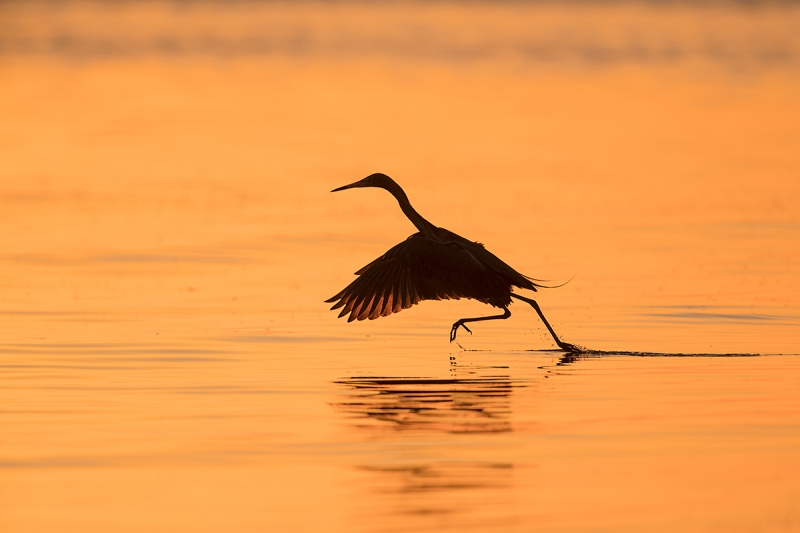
(432, 264)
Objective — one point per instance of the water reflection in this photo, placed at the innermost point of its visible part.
(436, 416)
(478, 402)
(440, 476)
(465, 492)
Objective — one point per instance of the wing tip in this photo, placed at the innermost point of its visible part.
(334, 298)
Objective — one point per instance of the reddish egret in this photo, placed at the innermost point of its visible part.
(432, 264)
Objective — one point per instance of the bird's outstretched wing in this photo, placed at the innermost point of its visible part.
(419, 269)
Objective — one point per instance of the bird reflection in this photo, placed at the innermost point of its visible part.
(475, 400)
(470, 404)
(569, 358)
(445, 476)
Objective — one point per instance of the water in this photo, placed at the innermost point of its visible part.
(167, 363)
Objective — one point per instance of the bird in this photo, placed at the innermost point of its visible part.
(432, 264)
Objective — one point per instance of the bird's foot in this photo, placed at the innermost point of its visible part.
(567, 347)
(455, 330)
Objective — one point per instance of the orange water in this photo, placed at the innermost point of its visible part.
(167, 363)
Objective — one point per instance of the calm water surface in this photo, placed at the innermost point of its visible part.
(167, 363)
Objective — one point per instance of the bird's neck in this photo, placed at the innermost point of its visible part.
(424, 227)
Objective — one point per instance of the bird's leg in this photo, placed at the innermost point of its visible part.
(460, 323)
(567, 347)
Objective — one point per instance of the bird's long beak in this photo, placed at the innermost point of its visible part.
(351, 186)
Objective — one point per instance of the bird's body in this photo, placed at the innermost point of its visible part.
(432, 264)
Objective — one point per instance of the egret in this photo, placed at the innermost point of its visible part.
(432, 264)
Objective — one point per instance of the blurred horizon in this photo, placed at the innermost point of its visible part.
(732, 34)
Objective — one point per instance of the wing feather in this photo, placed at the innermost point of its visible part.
(351, 301)
(401, 289)
(409, 294)
(374, 310)
(358, 309)
(338, 304)
(398, 293)
(385, 308)
(345, 311)
(365, 308)
(421, 268)
(365, 295)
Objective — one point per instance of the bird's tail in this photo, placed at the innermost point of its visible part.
(536, 282)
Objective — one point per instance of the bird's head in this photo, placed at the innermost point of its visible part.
(373, 180)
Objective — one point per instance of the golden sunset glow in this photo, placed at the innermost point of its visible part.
(168, 363)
